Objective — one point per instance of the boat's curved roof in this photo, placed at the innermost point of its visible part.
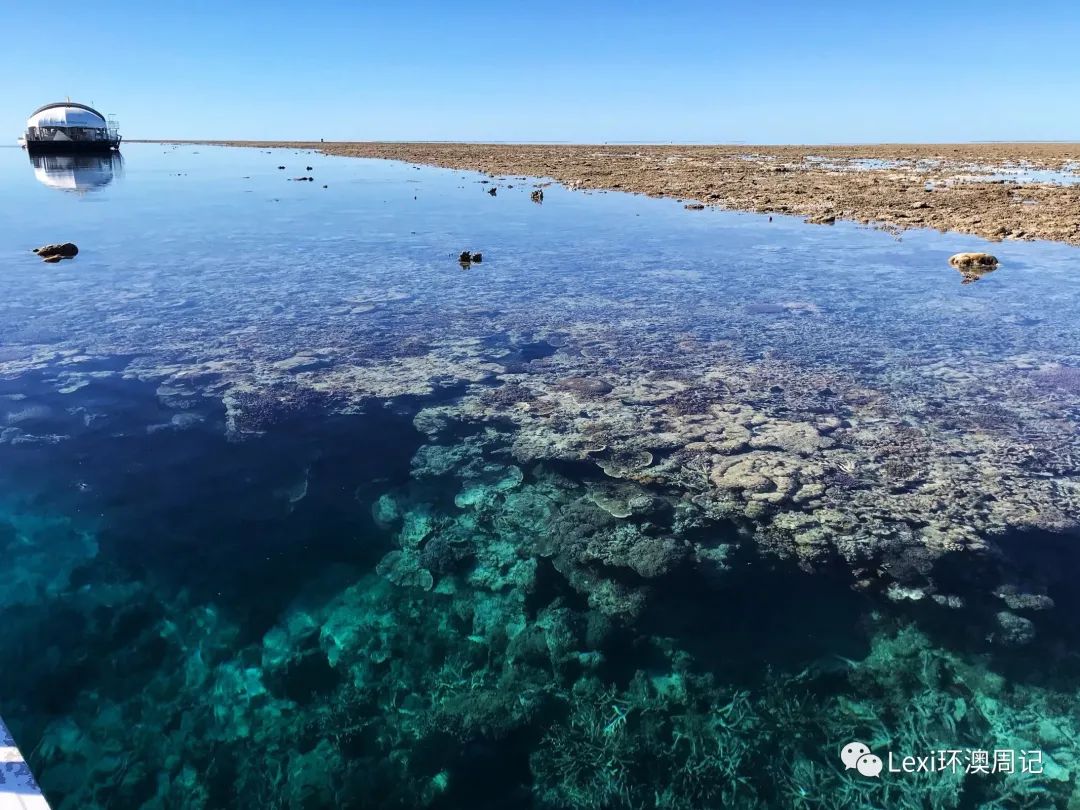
(66, 114)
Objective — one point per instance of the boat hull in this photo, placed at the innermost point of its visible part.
(71, 147)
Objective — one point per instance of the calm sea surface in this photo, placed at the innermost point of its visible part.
(650, 508)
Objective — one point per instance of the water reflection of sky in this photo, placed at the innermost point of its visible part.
(1067, 176)
(1022, 172)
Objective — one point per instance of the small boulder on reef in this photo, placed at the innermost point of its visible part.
(54, 253)
(966, 260)
(973, 266)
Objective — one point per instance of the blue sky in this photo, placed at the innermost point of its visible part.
(756, 72)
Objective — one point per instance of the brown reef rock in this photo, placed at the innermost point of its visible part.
(968, 260)
(54, 253)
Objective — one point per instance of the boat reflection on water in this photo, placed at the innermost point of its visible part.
(78, 173)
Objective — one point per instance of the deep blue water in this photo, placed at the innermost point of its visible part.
(651, 508)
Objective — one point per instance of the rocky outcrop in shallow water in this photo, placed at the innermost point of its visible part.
(973, 266)
(965, 261)
(54, 253)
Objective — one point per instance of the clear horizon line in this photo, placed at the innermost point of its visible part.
(607, 142)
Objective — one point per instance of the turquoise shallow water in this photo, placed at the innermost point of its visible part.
(651, 508)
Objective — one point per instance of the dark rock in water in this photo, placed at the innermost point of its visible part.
(493, 191)
(694, 207)
(51, 253)
(470, 258)
(308, 169)
(476, 258)
(537, 196)
(281, 167)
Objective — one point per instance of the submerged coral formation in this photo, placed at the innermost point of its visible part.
(851, 476)
(495, 657)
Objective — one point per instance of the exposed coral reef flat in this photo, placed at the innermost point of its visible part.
(647, 509)
(995, 190)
